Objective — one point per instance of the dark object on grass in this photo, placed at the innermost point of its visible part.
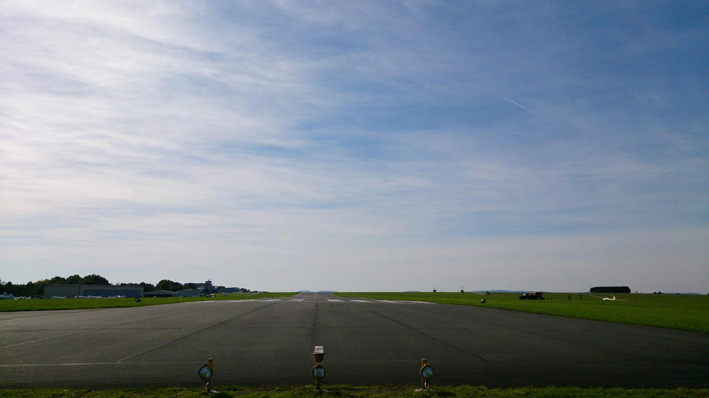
(532, 296)
(138, 300)
(610, 289)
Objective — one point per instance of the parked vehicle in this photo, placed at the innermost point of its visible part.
(532, 296)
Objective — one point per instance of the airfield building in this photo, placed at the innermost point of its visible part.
(190, 292)
(160, 293)
(72, 291)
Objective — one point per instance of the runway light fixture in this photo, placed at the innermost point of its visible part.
(426, 373)
(206, 372)
(318, 370)
(319, 353)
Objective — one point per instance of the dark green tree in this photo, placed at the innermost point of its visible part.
(38, 289)
(167, 284)
(8, 288)
(18, 290)
(94, 279)
(147, 287)
(73, 280)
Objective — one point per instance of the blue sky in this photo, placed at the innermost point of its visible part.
(400, 145)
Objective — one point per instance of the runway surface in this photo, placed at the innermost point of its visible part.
(270, 342)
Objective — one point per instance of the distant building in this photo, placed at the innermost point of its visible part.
(206, 288)
(222, 289)
(6, 296)
(202, 285)
(190, 293)
(72, 291)
(160, 293)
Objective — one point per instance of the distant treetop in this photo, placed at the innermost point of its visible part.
(610, 289)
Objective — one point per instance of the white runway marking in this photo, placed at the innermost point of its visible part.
(395, 302)
(41, 340)
(359, 301)
(386, 302)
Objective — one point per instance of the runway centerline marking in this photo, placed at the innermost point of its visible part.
(41, 340)
(347, 301)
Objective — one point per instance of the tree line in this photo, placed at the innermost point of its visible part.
(37, 288)
(610, 289)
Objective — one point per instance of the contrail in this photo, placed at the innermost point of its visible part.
(525, 108)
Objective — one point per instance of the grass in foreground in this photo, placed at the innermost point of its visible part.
(357, 392)
(77, 304)
(683, 312)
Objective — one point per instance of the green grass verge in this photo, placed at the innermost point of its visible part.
(77, 304)
(685, 312)
(356, 392)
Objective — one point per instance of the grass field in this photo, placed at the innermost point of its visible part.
(684, 312)
(76, 304)
(357, 392)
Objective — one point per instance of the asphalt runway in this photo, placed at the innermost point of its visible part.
(270, 342)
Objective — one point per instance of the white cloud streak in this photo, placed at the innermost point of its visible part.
(527, 109)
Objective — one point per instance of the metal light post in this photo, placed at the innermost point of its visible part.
(426, 373)
(318, 370)
(206, 372)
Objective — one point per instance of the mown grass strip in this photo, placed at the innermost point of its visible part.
(685, 312)
(357, 392)
(77, 304)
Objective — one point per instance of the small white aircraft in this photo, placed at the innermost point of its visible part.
(611, 299)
